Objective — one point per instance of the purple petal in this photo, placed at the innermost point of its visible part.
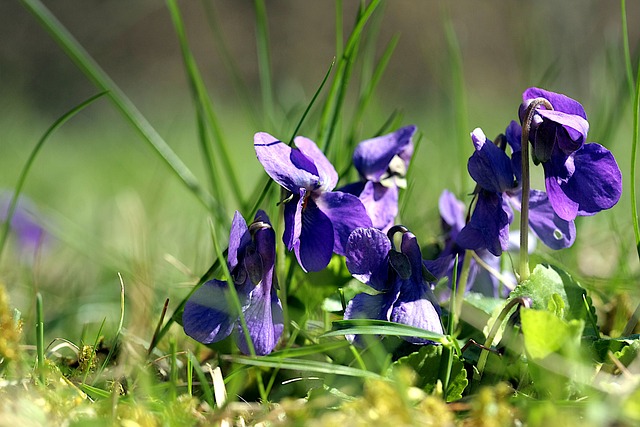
(207, 316)
(575, 129)
(416, 307)
(239, 238)
(364, 306)
(452, 212)
(488, 227)
(316, 243)
(489, 166)
(409, 247)
(293, 220)
(326, 171)
(381, 204)
(372, 156)
(265, 323)
(584, 183)
(367, 254)
(514, 136)
(346, 213)
(288, 167)
(559, 101)
(547, 225)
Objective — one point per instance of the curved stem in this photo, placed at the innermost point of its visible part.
(526, 185)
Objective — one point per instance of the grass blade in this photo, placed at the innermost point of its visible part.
(381, 327)
(32, 156)
(302, 365)
(204, 108)
(264, 60)
(40, 337)
(335, 100)
(99, 77)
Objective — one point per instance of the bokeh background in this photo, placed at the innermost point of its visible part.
(110, 205)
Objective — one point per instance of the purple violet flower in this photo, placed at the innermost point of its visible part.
(452, 213)
(581, 178)
(498, 191)
(317, 221)
(403, 295)
(208, 314)
(382, 163)
(24, 223)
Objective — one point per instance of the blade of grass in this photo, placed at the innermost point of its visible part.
(337, 93)
(625, 42)
(99, 77)
(368, 91)
(381, 327)
(634, 149)
(264, 59)
(204, 107)
(303, 365)
(32, 156)
(229, 62)
(202, 378)
(458, 90)
(93, 351)
(40, 337)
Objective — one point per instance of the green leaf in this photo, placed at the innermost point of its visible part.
(545, 333)
(426, 363)
(552, 289)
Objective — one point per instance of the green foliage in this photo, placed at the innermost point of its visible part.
(426, 362)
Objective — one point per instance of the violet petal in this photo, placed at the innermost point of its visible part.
(346, 213)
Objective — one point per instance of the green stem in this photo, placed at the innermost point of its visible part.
(461, 286)
(484, 353)
(526, 186)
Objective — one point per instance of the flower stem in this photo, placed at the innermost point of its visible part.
(526, 186)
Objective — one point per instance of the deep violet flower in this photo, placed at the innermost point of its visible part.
(403, 294)
(208, 314)
(498, 190)
(452, 214)
(317, 221)
(382, 163)
(581, 178)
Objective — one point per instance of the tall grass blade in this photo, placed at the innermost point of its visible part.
(229, 62)
(40, 337)
(459, 94)
(625, 42)
(634, 150)
(99, 77)
(202, 378)
(303, 365)
(264, 59)
(204, 107)
(337, 93)
(32, 157)
(381, 327)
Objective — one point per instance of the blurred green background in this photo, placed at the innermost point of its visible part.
(111, 205)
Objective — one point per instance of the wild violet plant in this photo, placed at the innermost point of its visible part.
(320, 221)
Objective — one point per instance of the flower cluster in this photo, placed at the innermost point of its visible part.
(357, 221)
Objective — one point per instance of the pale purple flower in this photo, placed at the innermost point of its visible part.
(318, 221)
(24, 224)
(403, 294)
(209, 315)
(382, 163)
